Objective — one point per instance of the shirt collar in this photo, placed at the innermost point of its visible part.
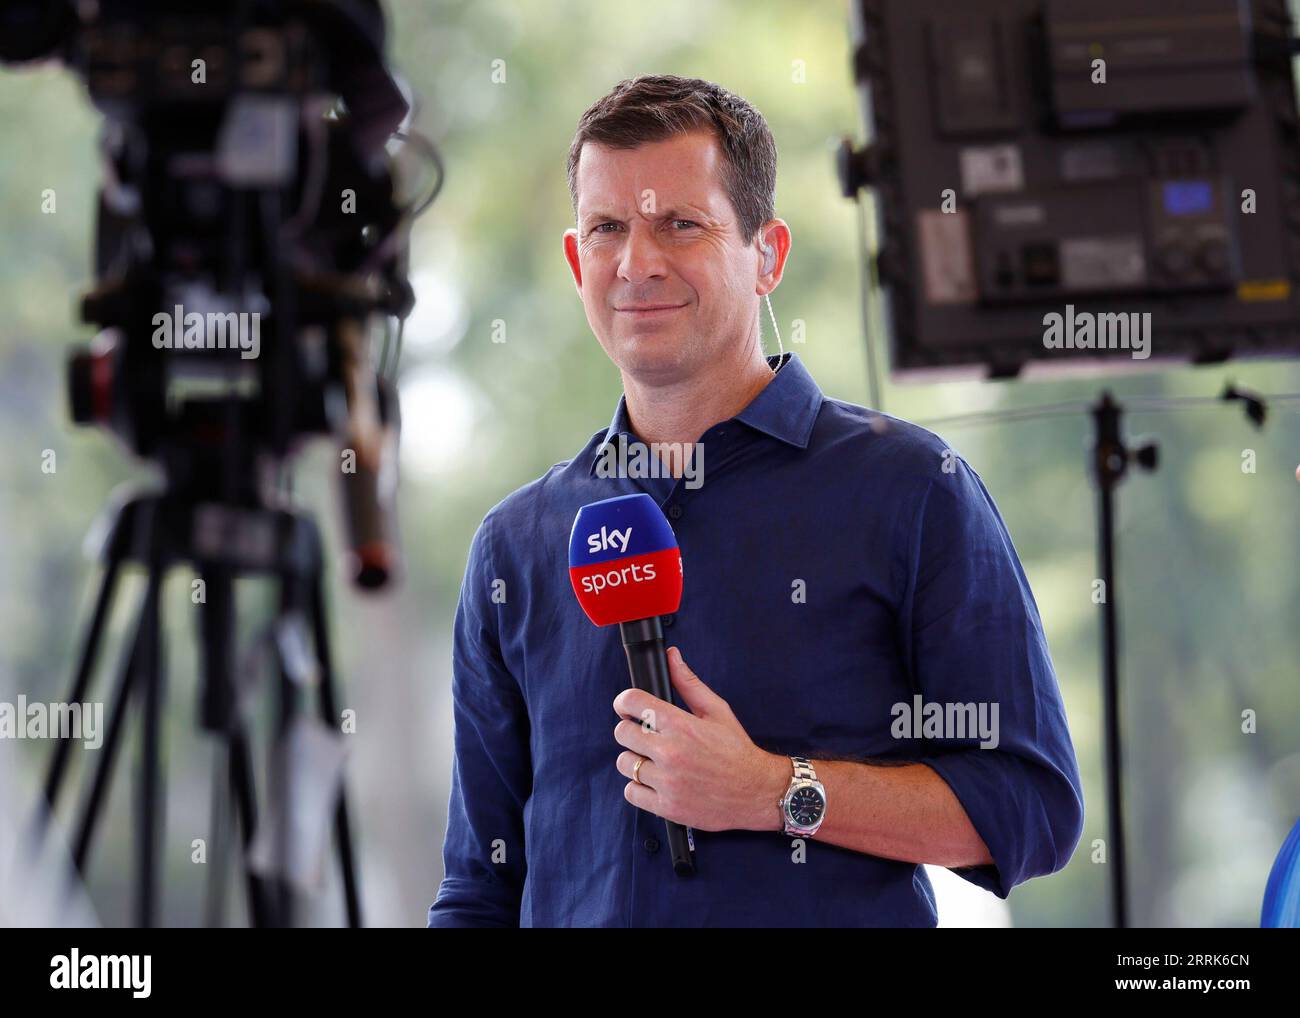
(786, 409)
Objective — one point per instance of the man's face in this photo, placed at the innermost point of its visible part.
(657, 256)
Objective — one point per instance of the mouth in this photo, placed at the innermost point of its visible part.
(644, 311)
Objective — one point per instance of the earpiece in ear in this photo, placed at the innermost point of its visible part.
(769, 258)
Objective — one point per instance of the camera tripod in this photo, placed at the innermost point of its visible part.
(157, 531)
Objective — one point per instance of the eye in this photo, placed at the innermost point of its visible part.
(600, 227)
(688, 222)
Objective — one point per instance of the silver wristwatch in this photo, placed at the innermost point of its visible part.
(803, 807)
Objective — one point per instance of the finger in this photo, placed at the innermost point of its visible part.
(655, 716)
(626, 764)
(701, 700)
(632, 701)
(638, 705)
(631, 735)
(642, 797)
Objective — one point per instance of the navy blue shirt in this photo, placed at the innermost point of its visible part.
(838, 564)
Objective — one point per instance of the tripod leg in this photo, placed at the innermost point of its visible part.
(241, 785)
(283, 773)
(329, 714)
(150, 803)
(89, 815)
(218, 702)
(80, 684)
(290, 674)
(221, 714)
(219, 825)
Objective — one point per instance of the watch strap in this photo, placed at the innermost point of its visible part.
(803, 769)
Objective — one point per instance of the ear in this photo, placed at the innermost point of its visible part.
(571, 256)
(776, 234)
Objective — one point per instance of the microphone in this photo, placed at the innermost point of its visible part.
(625, 567)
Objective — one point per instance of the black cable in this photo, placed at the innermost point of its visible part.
(873, 379)
(1132, 405)
(408, 216)
(999, 416)
(431, 153)
(383, 248)
(383, 350)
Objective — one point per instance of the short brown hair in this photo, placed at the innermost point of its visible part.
(654, 107)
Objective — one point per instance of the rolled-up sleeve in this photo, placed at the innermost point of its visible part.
(484, 862)
(975, 638)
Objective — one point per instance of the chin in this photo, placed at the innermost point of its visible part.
(649, 355)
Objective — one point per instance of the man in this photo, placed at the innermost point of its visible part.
(853, 607)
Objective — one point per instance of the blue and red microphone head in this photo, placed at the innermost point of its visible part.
(624, 562)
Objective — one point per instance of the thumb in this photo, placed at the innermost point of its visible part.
(701, 700)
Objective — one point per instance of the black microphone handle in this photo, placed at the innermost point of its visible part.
(643, 641)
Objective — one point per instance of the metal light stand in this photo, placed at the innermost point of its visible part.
(1110, 461)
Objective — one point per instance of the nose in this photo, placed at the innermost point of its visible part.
(642, 258)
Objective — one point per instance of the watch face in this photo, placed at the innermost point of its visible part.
(806, 806)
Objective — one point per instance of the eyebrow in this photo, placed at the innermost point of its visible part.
(673, 213)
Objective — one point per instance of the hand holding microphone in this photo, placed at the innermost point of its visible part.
(626, 568)
(698, 766)
(695, 762)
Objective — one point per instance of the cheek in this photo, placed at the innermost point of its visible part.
(595, 284)
(714, 286)
(697, 277)
(712, 265)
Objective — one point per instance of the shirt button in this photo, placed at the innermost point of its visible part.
(674, 512)
(670, 619)
(651, 845)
